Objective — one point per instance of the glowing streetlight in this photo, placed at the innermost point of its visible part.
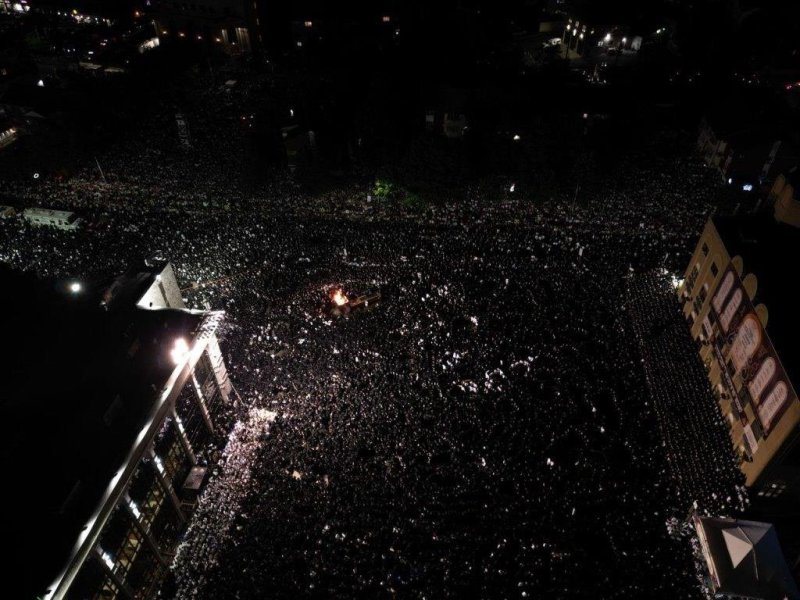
(517, 138)
(607, 38)
(179, 351)
(75, 287)
(624, 40)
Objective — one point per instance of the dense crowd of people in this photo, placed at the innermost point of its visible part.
(489, 428)
(695, 434)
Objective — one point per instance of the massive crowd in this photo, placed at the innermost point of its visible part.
(489, 429)
(693, 429)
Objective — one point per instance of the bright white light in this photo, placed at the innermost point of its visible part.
(730, 180)
(107, 559)
(134, 509)
(159, 465)
(513, 187)
(624, 40)
(581, 36)
(40, 83)
(179, 351)
(517, 138)
(36, 176)
(291, 112)
(75, 287)
(747, 187)
(607, 38)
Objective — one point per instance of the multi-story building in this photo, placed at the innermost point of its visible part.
(118, 405)
(232, 24)
(738, 298)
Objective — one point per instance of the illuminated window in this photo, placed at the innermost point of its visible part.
(109, 562)
(134, 509)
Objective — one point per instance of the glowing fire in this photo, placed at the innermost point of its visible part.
(338, 297)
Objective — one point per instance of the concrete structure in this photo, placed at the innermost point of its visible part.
(744, 154)
(738, 298)
(62, 219)
(131, 412)
(8, 136)
(744, 560)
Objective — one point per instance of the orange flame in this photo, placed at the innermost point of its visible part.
(339, 298)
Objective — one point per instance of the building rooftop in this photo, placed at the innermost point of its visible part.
(769, 249)
(744, 559)
(85, 370)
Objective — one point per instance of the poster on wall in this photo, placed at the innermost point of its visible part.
(751, 353)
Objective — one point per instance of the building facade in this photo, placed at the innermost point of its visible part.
(125, 547)
(232, 24)
(736, 299)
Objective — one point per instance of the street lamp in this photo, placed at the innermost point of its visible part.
(179, 351)
(75, 287)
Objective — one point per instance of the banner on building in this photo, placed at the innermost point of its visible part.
(751, 354)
